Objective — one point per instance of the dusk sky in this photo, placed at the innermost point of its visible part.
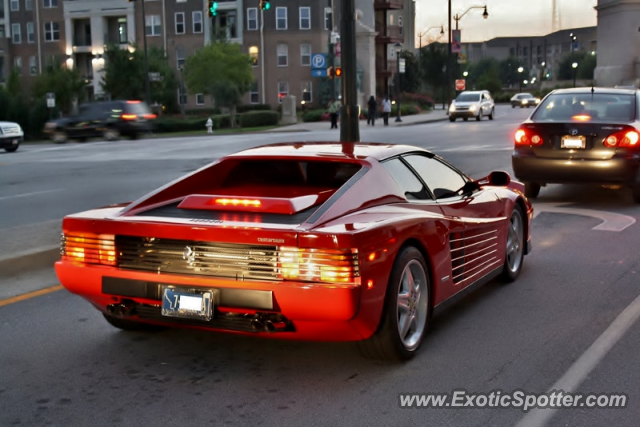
(506, 17)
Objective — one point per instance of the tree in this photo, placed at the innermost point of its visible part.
(433, 63)
(508, 71)
(226, 93)
(218, 62)
(482, 68)
(411, 79)
(586, 66)
(65, 83)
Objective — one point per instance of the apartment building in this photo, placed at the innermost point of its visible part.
(280, 41)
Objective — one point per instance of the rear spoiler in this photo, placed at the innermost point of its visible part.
(277, 205)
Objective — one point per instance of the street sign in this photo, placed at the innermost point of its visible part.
(319, 73)
(461, 84)
(402, 65)
(51, 100)
(319, 61)
(155, 77)
(337, 49)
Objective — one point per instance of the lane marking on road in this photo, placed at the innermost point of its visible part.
(582, 367)
(611, 221)
(30, 295)
(30, 194)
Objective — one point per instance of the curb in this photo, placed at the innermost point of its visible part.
(35, 259)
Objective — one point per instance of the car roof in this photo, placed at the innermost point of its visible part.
(603, 90)
(329, 150)
(473, 92)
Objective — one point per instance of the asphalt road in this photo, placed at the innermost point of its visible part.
(64, 365)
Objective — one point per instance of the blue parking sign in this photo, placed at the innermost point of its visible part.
(318, 61)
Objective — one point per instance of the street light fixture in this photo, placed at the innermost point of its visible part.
(575, 69)
(520, 70)
(398, 48)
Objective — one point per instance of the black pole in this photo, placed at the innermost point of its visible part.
(332, 52)
(146, 60)
(398, 88)
(350, 110)
(448, 88)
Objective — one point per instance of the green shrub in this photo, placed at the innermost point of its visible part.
(313, 116)
(203, 112)
(178, 124)
(502, 97)
(258, 118)
(38, 115)
(405, 110)
(252, 107)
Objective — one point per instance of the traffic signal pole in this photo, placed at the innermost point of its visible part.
(350, 110)
(332, 64)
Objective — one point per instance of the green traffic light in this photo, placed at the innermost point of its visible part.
(267, 6)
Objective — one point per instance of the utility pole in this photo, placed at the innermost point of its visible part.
(332, 65)
(146, 59)
(350, 110)
(448, 88)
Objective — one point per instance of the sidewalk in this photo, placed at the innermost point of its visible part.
(416, 119)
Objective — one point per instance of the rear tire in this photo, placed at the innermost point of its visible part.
(531, 189)
(406, 312)
(130, 325)
(479, 116)
(635, 191)
(491, 114)
(12, 149)
(452, 119)
(514, 253)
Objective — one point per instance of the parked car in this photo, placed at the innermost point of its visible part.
(309, 241)
(472, 104)
(108, 119)
(582, 135)
(11, 136)
(524, 100)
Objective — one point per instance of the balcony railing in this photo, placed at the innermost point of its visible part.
(390, 34)
(388, 4)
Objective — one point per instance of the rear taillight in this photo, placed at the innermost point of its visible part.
(150, 116)
(128, 116)
(623, 139)
(319, 265)
(527, 137)
(88, 248)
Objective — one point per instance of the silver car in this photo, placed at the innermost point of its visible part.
(472, 104)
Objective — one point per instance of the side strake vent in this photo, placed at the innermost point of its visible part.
(472, 254)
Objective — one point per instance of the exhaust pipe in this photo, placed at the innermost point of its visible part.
(272, 327)
(121, 310)
(256, 325)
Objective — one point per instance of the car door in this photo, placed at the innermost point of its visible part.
(478, 218)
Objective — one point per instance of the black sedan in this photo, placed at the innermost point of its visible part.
(581, 135)
(524, 100)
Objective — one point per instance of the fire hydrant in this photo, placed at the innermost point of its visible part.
(209, 125)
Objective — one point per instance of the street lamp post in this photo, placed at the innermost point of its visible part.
(575, 69)
(398, 48)
(146, 59)
(520, 70)
(458, 17)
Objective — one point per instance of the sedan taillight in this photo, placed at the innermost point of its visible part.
(527, 137)
(623, 139)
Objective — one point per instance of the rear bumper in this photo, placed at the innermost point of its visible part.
(317, 312)
(617, 170)
(10, 141)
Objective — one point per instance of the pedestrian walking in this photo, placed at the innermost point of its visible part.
(386, 110)
(209, 125)
(334, 108)
(372, 111)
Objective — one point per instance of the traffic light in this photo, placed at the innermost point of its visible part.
(330, 72)
(212, 9)
(338, 72)
(265, 5)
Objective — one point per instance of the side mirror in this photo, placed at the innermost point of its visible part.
(495, 179)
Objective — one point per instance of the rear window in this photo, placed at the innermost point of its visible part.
(468, 97)
(139, 108)
(586, 107)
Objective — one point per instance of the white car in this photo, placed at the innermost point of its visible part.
(472, 104)
(11, 135)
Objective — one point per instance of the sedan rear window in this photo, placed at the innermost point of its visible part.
(586, 107)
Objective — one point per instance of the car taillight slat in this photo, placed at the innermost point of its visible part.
(88, 248)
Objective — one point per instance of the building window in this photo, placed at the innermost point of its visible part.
(252, 18)
(197, 22)
(33, 66)
(254, 95)
(253, 54)
(305, 55)
(281, 18)
(50, 3)
(283, 90)
(51, 31)
(122, 31)
(305, 18)
(182, 96)
(18, 65)
(199, 98)
(16, 34)
(152, 25)
(180, 23)
(15, 5)
(31, 37)
(283, 55)
(306, 91)
(1, 31)
(327, 18)
(179, 58)
(525, 51)
(226, 24)
(28, 4)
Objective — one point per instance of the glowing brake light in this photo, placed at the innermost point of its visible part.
(238, 202)
(623, 139)
(133, 102)
(150, 116)
(129, 116)
(525, 137)
(581, 118)
(319, 265)
(88, 248)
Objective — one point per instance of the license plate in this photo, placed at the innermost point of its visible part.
(187, 303)
(573, 142)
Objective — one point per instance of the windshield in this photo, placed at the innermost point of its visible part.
(468, 97)
(525, 95)
(586, 107)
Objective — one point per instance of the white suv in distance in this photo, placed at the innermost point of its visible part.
(472, 104)
(11, 135)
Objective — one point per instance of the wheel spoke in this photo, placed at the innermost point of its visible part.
(403, 303)
(406, 325)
